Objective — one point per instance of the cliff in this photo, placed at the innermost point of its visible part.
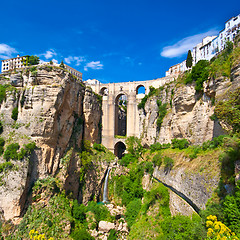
(188, 111)
(57, 112)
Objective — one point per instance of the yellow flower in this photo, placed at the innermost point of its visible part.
(209, 223)
(210, 232)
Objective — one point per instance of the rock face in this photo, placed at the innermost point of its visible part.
(105, 226)
(56, 111)
(189, 114)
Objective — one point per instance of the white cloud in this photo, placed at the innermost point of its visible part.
(6, 51)
(55, 61)
(75, 60)
(49, 54)
(93, 65)
(185, 44)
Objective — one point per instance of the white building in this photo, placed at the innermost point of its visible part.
(92, 82)
(232, 26)
(210, 45)
(74, 72)
(12, 63)
(177, 69)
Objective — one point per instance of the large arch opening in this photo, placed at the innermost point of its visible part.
(121, 115)
(140, 89)
(119, 149)
(103, 91)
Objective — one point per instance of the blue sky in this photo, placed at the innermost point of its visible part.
(111, 41)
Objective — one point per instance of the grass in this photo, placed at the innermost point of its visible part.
(206, 162)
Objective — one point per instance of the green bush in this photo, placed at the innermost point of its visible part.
(149, 168)
(99, 147)
(100, 211)
(2, 142)
(155, 147)
(126, 159)
(180, 143)
(196, 150)
(183, 228)
(134, 146)
(168, 163)
(30, 147)
(80, 233)
(112, 235)
(162, 111)
(217, 141)
(4, 166)
(79, 211)
(157, 160)
(132, 211)
(199, 74)
(2, 92)
(15, 114)
(11, 152)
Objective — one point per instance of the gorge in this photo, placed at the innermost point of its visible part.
(53, 166)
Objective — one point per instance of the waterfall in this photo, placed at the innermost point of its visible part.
(105, 189)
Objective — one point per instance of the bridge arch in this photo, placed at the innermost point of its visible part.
(103, 91)
(119, 149)
(121, 114)
(140, 89)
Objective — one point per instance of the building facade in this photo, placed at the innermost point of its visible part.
(210, 45)
(12, 63)
(177, 69)
(74, 72)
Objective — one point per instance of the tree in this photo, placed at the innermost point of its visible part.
(51, 62)
(30, 60)
(189, 59)
(62, 65)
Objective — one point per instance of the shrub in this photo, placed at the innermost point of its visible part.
(180, 143)
(196, 150)
(168, 163)
(149, 168)
(79, 211)
(155, 147)
(112, 235)
(2, 142)
(99, 147)
(100, 211)
(80, 233)
(132, 211)
(162, 111)
(11, 152)
(134, 146)
(199, 74)
(157, 160)
(2, 92)
(15, 114)
(126, 159)
(30, 147)
(217, 141)
(4, 166)
(183, 228)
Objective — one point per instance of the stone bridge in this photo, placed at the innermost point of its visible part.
(111, 93)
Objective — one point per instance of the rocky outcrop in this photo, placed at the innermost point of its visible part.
(56, 111)
(195, 187)
(189, 112)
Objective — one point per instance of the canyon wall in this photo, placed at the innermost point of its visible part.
(57, 112)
